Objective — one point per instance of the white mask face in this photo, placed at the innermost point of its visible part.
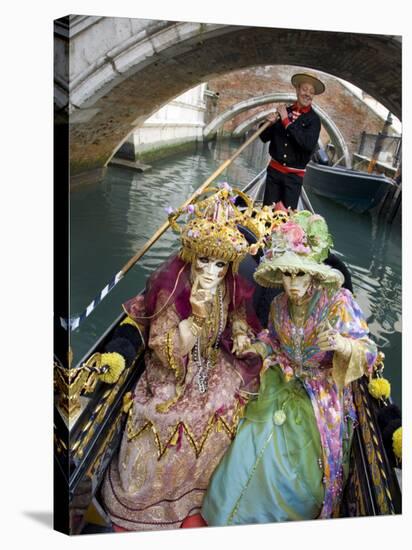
(296, 286)
(210, 272)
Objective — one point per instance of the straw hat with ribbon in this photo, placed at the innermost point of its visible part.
(317, 84)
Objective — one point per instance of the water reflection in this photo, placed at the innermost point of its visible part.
(373, 253)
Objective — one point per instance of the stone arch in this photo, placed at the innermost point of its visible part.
(120, 71)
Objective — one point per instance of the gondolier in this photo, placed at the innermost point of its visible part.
(293, 137)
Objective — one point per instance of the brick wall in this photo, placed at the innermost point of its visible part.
(351, 115)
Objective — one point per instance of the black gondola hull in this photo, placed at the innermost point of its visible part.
(357, 191)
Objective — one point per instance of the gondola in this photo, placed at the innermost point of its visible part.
(89, 419)
(356, 190)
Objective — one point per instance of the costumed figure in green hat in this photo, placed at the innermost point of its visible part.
(289, 460)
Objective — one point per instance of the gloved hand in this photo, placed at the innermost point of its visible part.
(330, 340)
(200, 300)
(241, 342)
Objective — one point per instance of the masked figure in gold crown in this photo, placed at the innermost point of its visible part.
(290, 457)
(196, 319)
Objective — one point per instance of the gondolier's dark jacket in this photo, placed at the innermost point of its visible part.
(293, 146)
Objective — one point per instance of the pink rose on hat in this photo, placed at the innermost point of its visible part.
(295, 237)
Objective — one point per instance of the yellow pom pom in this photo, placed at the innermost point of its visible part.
(397, 443)
(379, 388)
(116, 364)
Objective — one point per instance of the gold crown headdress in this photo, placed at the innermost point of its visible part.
(265, 219)
(213, 229)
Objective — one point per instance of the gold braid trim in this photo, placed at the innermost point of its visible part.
(215, 421)
(129, 321)
(164, 407)
(179, 374)
(170, 357)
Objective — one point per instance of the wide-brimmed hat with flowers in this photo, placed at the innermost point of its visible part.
(317, 84)
(300, 244)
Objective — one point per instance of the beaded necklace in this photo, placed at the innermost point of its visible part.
(207, 362)
(298, 313)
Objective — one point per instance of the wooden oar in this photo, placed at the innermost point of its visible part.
(75, 322)
(215, 174)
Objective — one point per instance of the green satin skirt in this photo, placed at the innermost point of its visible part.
(273, 469)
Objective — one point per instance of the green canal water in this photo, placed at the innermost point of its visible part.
(110, 221)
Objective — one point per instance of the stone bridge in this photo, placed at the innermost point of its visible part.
(113, 73)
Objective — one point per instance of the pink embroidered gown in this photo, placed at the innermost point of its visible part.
(175, 435)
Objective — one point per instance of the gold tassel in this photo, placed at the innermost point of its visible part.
(127, 402)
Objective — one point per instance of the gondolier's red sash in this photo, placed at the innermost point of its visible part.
(286, 169)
